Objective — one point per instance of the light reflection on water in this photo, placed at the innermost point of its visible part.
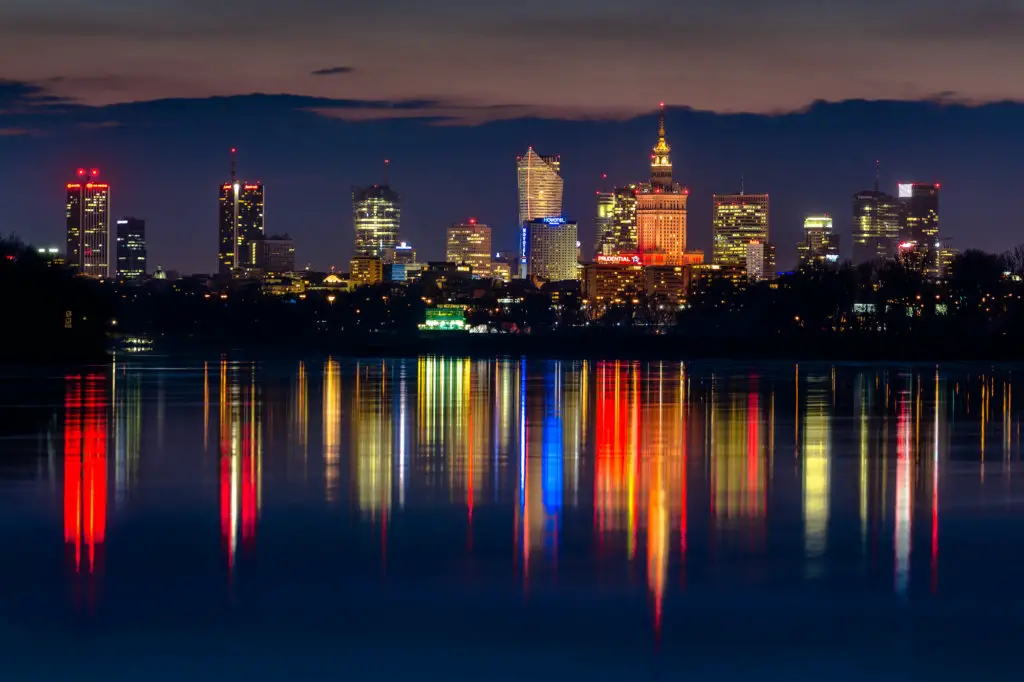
(564, 480)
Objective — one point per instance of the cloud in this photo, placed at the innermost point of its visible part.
(17, 132)
(332, 71)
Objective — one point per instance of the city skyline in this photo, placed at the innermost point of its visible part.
(429, 237)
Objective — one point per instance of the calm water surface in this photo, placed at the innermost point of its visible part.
(467, 519)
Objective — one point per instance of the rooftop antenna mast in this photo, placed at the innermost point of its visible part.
(742, 186)
(878, 173)
(234, 212)
(387, 165)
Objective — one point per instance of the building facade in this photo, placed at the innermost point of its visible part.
(276, 254)
(820, 243)
(738, 220)
(241, 225)
(661, 209)
(377, 217)
(404, 254)
(365, 270)
(549, 245)
(469, 243)
(876, 226)
(919, 222)
(540, 186)
(131, 249)
(89, 239)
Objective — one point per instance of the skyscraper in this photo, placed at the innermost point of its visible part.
(616, 221)
(738, 220)
(90, 242)
(241, 223)
(131, 249)
(549, 248)
(919, 223)
(661, 209)
(276, 254)
(540, 186)
(876, 226)
(469, 243)
(377, 215)
(819, 244)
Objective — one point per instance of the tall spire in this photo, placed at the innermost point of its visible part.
(878, 173)
(661, 165)
(387, 167)
(234, 174)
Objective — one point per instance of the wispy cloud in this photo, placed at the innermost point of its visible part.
(332, 71)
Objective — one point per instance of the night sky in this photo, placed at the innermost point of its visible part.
(798, 96)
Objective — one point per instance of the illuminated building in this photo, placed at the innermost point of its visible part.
(276, 254)
(404, 254)
(820, 244)
(540, 186)
(947, 255)
(755, 261)
(608, 283)
(876, 226)
(661, 209)
(85, 479)
(500, 270)
(90, 242)
(366, 270)
(669, 282)
(131, 249)
(241, 223)
(377, 215)
(604, 222)
(469, 244)
(919, 221)
(738, 220)
(445, 317)
(549, 248)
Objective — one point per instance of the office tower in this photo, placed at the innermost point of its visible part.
(276, 254)
(661, 209)
(738, 220)
(131, 249)
(377, 215)
(549, 245)
(241, 223)
(755, 260)
(604, 236)
(919, 222)
(404, 254)
(90, 241)
(820, 243)
(540, 186)
(876, 224)
(616, 221)
(469, 244)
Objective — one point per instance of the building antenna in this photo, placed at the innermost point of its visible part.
(878, 173)
(387, 164)
(234, 174)
(742, 187)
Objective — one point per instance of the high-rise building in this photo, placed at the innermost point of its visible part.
(276, 254)
(876, 225)
(131, 249)
(540, 186)
(404, 254)
(755, 260)
(919, 222)
(616, 221)
(241, 223)
(377, 215)
(549, 248)
(90, 242)
(661, 209)
(469, 243)
(820, 243)
(738, 220)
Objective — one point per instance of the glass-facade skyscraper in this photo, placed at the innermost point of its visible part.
(469, 243)
(616, 221)
(377, 216)
(540, 186)
(131, 249)
(89, 238)
(876, 226)
(549, 248)
(241, 225)
(820, 242)
(738, 220)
